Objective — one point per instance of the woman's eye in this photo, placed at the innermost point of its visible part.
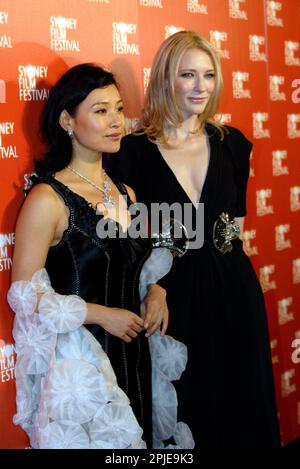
(187, 75)
(210, 75)
(101, 111)
(121, 109)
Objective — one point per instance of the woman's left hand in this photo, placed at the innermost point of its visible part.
(154, 310)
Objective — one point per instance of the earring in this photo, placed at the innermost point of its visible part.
(70, 132)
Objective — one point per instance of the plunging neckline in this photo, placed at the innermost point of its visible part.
(174, 177)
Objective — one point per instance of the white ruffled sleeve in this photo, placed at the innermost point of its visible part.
(67, 392)
(156, 266)
(62, 313)
(169, 359)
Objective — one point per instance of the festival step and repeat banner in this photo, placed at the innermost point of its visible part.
(259, 44)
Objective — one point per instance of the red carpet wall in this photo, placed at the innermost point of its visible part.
(259, 42)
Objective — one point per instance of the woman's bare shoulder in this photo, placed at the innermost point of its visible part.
(41, 203)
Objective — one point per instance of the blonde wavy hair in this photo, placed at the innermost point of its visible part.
(160, 102)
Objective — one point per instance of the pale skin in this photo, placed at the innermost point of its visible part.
(98, 126)
(194, 84)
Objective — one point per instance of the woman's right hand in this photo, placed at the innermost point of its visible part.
(118, 322)
(122, 323)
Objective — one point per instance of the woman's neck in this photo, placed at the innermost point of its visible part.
(88, 165)
(187, 132)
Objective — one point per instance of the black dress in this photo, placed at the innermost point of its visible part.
(106, 272)
(226, 393)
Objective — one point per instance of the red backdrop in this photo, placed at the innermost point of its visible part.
(259, 42)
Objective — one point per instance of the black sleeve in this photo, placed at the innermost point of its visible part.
(239, 148)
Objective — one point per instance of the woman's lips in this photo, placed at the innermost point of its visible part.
(197, 100)
(114, 136)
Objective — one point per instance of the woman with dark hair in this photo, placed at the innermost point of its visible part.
(82, 386)
(182, 156)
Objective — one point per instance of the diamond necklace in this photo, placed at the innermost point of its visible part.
(108, 201)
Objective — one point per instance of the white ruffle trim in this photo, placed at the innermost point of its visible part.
(156, 266)
(169, 358)
(67, 392)
(62, 313)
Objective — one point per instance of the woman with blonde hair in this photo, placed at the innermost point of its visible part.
(182, 155)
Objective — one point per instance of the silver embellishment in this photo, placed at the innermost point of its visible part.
(173, 236)
(108, 201)
(225, 230)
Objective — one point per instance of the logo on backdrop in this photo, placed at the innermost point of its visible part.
(248, 236)
(295, 198)
(28, 88)
(284, 315)
(216, 38)
(194, 6)
(235, 10)
(255, 43)
(147, 71)
(5, 40)
(7, 241)
(293, 121)
(151, 3)
(272, 9)
(169, 30)
(27, 181)
(280, 241)
(238, 80)
(60, 28)
(296, 93)
(223, 118)
(258, 129)
(251, 171)
(7, 361)
(264, 278)
(2, 92)
(275, 94)
(296, 270)
(274, 344)
(131, 124)
(296, 353)
(262, 208)
(7, 151)
(278, 157)
(122, 33)
(290, 47)
(286, 386)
